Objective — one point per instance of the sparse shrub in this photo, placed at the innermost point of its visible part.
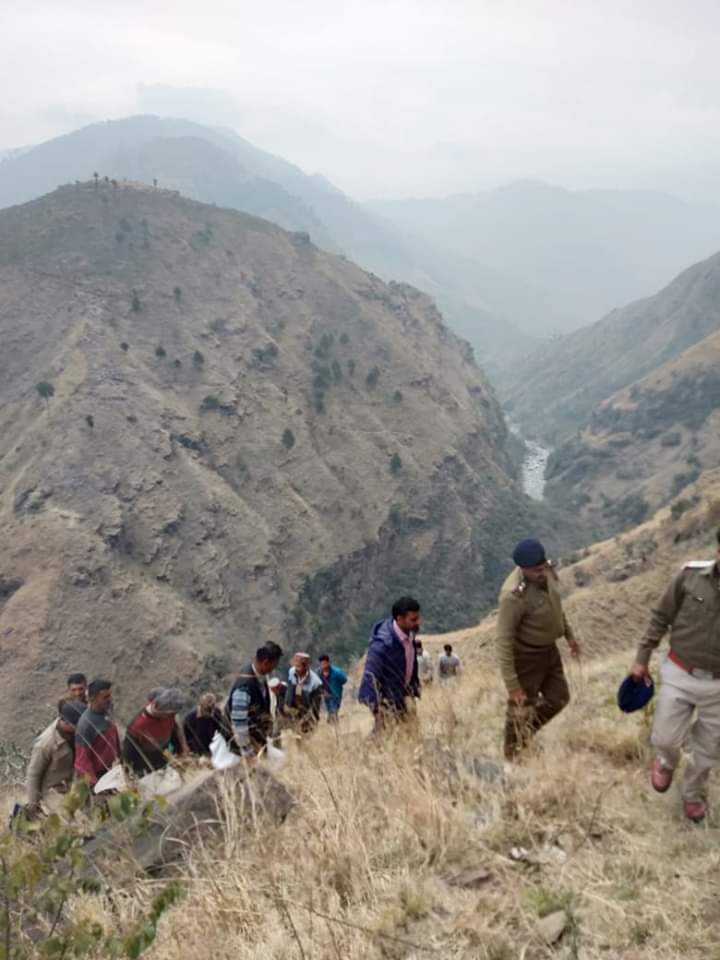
(212, 403)
(288, 439)
(336, 371)
(135, 304)
(198, 359)
(218, 325)
(322, 378)
(319, 401)
(351, 367)
(46, 391)
(177, 363)
(682, 480)
(397, 397)
(125, 346)
(177, 293)
(372, 378)
(90, 420)
(119, 236)
(671, 439)
(680, 506)
(344, 339)
(125, 225)
(44, 865)
(395, 463)
(160, 351)
(581, 576)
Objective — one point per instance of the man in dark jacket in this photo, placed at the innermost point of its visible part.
(391, 670)
(248, 717)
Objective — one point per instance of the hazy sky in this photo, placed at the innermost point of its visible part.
(391, 96)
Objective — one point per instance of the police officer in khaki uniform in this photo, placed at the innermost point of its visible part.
(530, 621)
(688, 704)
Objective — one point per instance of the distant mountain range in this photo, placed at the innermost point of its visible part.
(579, 253)
(631, 403)
(218, 166)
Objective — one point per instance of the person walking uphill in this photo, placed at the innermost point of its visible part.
(530, 621)
(97, 742)
(391, 668)
(687, 710)
(303, 695)
(333, 680)
(248, 717)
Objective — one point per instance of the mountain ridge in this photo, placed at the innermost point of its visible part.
(246, 438)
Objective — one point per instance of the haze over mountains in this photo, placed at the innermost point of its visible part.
(580, 252)
(632, 411)
(509, 267)
(245, 438)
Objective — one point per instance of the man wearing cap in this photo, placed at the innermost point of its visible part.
(53, 756)
(148, 736)
(530, 622)
(303, 696)
(688, 704)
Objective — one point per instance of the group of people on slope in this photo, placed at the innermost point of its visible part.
(531, 619)
(84, 742)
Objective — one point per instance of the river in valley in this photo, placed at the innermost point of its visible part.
(533, 466)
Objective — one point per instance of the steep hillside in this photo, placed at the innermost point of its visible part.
(426, 843)
(213, 433)
(645, 444)
(218, 166)
(553, 391)
(581, 252)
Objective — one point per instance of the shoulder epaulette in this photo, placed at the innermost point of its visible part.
(698, 564)
(520, 589)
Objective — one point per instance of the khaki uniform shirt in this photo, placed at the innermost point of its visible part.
(690, 609)
(529, 615)
(51, 764)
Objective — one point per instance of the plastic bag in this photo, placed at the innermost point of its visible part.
(274, 757)
(220, 753)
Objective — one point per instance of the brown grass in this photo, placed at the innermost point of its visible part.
(367, 865)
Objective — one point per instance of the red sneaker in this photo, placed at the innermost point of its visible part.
(661, 776)
(695, 810)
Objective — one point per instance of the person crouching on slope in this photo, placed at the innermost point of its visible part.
(688, 703)
(148, 736)
(390, 678)
(530, 621)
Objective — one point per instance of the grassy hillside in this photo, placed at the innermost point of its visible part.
(424, 844)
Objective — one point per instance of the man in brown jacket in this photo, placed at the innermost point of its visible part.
(53, 757)
(688, 704)
(530, 621)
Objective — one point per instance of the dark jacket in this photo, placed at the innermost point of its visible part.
(247, 717)
(199, 730)
(383, 682)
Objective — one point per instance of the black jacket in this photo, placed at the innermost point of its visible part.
(247, 712)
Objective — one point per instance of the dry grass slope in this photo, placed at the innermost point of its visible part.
(402, 849)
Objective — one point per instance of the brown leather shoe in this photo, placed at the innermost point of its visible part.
(695, 810)
(661, 776)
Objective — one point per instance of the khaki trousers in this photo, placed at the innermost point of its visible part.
(687, 714)
(541, 675)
